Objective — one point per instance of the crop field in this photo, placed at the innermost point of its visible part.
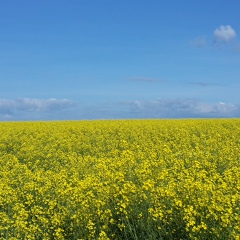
(122, 179)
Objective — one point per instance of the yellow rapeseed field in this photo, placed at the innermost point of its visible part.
(123, 179)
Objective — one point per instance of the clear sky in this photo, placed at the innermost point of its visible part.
(109, 59)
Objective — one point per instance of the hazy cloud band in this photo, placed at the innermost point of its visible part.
(61, 109)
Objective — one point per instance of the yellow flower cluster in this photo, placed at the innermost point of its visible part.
(123, 179)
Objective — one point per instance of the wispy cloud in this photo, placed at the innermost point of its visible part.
(146, 79)
(204, 84)
(237, 47)
(199, 42)
(224, 33)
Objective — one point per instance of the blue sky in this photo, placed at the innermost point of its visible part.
(91, 59)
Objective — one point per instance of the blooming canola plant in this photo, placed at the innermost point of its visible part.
(122, 179)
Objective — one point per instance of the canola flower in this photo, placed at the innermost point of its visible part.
(124, 179)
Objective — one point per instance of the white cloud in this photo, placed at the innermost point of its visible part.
(182, 108)
(61, 109)
(220, 109)
(224, 33)
(42, 105)
(31, 108)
